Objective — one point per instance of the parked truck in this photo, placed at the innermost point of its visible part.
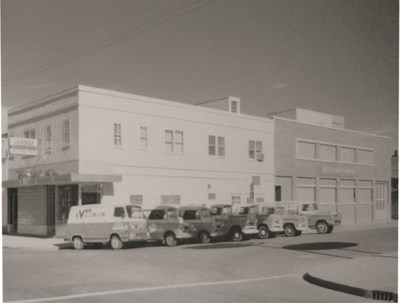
(269, 224)
(205, 226)
(293, 223)
(234, 227)
(322, 221)
(167, 226)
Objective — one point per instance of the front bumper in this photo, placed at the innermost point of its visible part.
(249, 230)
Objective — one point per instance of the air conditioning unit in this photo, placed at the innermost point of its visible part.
(260, 157)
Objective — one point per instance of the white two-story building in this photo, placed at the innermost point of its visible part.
(89, 145)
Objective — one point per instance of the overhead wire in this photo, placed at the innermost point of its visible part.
(160, 20)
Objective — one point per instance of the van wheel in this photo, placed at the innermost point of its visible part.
(204, 237)
(116, 242)
(78, 243)
(170, 239)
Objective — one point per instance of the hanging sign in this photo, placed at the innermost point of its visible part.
(23, 146)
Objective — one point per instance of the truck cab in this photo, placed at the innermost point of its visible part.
(167, 226)
(322, 221)
(206, 227)
(235, 227)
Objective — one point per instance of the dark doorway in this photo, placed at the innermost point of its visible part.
(12, 195)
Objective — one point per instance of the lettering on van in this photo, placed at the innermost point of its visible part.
(88, 213)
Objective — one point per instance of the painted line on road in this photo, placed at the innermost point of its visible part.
(122, 291)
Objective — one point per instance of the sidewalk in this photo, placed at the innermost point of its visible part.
(373, 277)
(12, 241)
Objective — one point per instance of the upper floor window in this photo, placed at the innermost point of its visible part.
(255, 150)
(48, 139)
(216, 145)
(31, 134)
(234, 106)
(143, 137)
(174, 141)
(117, 134)
(66, 133)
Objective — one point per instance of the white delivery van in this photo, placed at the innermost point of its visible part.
(114, 224)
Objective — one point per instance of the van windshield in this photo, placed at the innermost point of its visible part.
(134, 211)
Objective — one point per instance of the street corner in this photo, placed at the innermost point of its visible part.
(354, 276)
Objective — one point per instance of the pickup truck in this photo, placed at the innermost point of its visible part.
(167, 226)
(322, 221)
(269, 224)
(205, 226)
(293, 223)
(234, 227)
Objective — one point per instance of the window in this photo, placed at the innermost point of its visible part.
(327, 191)
(143, 137)
(170, 199)
(348, 154)
(216, 146)
(117, 134)
(306, 150)
(234, 106)
(119, 212)
(255, 149)
(235, 199)
(278, 193)
(66, 133)
(31, 134)
(306, 189)
(174, 141)
(327, 152)
(365, 191)
(191, 215)
(212, 196)
(347, 191)
(48, 139)
(365, 156)
(136, 199)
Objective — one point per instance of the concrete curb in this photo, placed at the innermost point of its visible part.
(361, 292)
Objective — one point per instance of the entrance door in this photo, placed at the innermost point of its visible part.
(67, 196)
(12, 210)
(381, 199)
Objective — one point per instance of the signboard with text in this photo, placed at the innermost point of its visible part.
(23, 146)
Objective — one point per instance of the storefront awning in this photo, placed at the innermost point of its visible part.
(63, 179)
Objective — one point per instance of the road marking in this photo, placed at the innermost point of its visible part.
(122, 291)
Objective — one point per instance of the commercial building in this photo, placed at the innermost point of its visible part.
(89, 145)
(317, 159)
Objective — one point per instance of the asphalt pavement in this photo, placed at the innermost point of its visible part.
(372, 277)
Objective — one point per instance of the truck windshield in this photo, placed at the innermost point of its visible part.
(244, 210)
(191, 214)
(134, 211)
(157, 214)
(216, 211)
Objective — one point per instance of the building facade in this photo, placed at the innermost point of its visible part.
(89, 145)
(316, 159)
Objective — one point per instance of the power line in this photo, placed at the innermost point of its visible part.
(160, 20)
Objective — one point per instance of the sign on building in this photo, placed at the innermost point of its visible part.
(23, 146)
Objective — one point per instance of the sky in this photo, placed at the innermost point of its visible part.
(334, 56)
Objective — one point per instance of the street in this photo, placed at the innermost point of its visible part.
(249, 271)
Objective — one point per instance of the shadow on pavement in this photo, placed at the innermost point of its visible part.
(320, 246)
(222, 245)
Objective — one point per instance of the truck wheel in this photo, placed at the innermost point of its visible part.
(78, 243)
(236, 235)
(170, 239)
(322, 227)
(263, 232)
(204, 237)
(289, 230)
(116, 242)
